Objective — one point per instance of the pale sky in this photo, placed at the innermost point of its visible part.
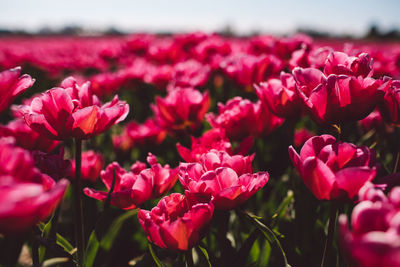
(279, 16)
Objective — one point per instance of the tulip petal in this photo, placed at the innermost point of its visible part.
(318, 177)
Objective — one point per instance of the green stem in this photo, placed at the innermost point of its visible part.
(331, 231)
(79, 236)
(396, 165)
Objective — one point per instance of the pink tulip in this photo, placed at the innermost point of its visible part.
(229, 180)
(280, 96)
(190, 73)
(237, 117)
(246, 70)
(177, 223)
(340, 63)
(390, 108)
(337, 98)
(12, 85)
(26, 137)
(137, 186)
(92, 164)
(182, 109)
(374, 240)
(333, 170)
(26, 195)
(73, 111)
(212, 139)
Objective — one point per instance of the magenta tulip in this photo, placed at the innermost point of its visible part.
(177, 223)
(137, 186)
(333, 170)
(374, 240)
(73, 111)
(12, 85)
(229, 180)
(26, 195)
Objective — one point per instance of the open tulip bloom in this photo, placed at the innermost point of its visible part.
(333, 170)
(73, 111)
(12, 85)
(374, 238)
(229, 180)
(27, 196)
(178, 221)
(137, 186)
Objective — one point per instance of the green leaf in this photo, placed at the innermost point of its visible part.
(205, 253)
(65, 244)
(244, 250)
(91, 250)
(155, 258)
(54, 261)
(108, 239)
(280, 212)
(268, 233)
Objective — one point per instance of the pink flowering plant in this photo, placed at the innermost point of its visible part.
(199, 150)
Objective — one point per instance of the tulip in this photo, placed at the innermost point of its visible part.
(73, 111)
(280, 96)
(12, 85)
(137, 186)
(177, 223)
(340, 63)
(237, 117)
(190, 73)
(390, 108)
(229, 180)
(92, 164)
(374, 238)
(26, 195)
(182, 109)
(212, 139)
(26, 137)
(246, 70)
(334, 170)
(337, 98)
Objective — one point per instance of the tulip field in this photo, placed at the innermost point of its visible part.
(199, 150)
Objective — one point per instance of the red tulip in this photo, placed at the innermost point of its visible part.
(12, 85)
(337, 98)
(178, 222)
(26, 137)
(26, 195)
(390, 108)
(246, 70)
(340, 63)
(190, 73)
(92, 164)
(237, 117)
(301, 136)
(135, 134)
(373, 121)
(374, 238)
(228, 179)
(181, 109)
(333, 170)
(266, 122)
(212, 139)
(73, 111)
(280, 96)
(137, 186)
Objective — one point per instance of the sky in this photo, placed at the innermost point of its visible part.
(279, 16)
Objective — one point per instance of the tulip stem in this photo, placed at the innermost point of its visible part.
(79, 236)
(396, 165)
(189, 258)
(331, 230)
